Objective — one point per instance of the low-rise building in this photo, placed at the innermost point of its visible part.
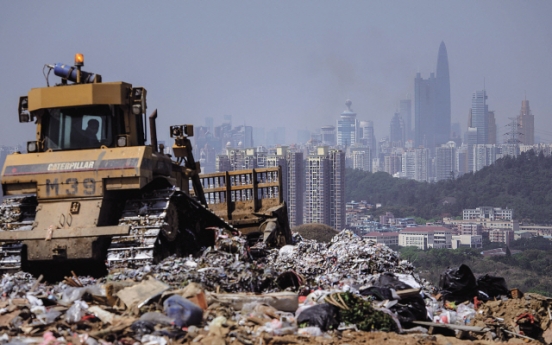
(490, 213)
(471, 229)
(522, 234)
(425, 237)
(537, 230)
(387, 218)
(387, 238)
(467, 241)
(501, 236)
(485, 223)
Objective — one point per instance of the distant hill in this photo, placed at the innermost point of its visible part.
(522, 183)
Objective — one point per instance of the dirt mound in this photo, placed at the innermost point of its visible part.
(316, 231)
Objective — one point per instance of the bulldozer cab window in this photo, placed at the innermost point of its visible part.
(77, 128)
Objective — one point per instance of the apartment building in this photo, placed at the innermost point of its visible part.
(325, 188)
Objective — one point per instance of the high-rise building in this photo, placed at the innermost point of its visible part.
(337, 189)
(422, 164)
(361, 158)
(291, 164)
(480, 116)
(442, 101)
(347, 127)
(392, 163)
(368, 136)
(406, 114)
(295, 187)
(222, 163)
(492, 128)
(483, 155)
(462, 160)
(397, 131)
(445, 162)
(325, 188)
(526, 124)
(415, 164)
(424, 111)
(327, 134)
(432, 110)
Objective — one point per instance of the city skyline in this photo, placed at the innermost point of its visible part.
(271, 64)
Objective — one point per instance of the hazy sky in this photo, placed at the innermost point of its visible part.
(284, 63)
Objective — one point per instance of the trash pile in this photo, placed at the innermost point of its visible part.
(245, 293)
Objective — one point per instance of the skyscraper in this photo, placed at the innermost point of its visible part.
(406, 114)
(397, 131)
(492, 128)
(480, 116)
(347, 127)
(424, 111)
(368, 137)
(526, 124)
(432, 105)
(442, 101)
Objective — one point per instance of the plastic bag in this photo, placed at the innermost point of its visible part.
(149, 339)
(49, 316)
(378, 293)
(71, 294)
(312, 331)
(323, 316)
(76, 312)
(182, 311)
(493, 286)
(464, 314)
(408, 309)
(156, 318)
(458, 284)
(140, 328)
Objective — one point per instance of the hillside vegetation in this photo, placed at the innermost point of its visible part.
(522, 183)
(527, 271)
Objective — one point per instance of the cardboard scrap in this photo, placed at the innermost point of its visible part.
(140, 294)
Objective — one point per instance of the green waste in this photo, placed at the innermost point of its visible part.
(356, 311)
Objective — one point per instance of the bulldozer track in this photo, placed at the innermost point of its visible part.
(146, 216)
(17, 213)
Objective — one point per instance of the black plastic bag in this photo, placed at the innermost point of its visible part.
(408, 309)
(322, 315)
(378, 293)
(458, 284)
(493, 286)
(389, 280)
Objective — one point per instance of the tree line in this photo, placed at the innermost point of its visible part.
(521, 183)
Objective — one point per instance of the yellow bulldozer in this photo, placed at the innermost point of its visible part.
(90, 188)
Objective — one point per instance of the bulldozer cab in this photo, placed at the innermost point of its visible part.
(80, 127)
(86, 114)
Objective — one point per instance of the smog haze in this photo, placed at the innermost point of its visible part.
(284, 63)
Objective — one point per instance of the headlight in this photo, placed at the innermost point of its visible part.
(31, 146)
(122, 141)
